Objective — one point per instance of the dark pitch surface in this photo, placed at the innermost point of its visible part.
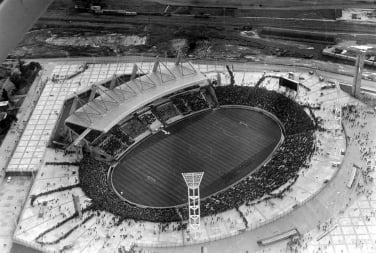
(226, 144)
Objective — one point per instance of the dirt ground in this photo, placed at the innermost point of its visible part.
(155, 40)
(74, 40)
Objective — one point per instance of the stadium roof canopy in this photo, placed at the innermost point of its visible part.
(108, 106)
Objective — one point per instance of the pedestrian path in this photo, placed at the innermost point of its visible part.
(15, 132)
(12, 197)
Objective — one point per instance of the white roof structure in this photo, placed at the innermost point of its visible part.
(112, 105)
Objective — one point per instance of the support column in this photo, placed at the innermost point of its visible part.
(213, 95)
(219, 80)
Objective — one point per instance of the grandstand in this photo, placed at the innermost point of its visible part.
(108, 116)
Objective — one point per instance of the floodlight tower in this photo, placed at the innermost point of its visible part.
(193, 181)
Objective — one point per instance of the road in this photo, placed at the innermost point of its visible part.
(220, 22)
(265, 63)
(279, 4)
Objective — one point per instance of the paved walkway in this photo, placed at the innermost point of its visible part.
(12, 197)
(15, 132)
(14, 193)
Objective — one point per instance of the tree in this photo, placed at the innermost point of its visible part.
(5, 95)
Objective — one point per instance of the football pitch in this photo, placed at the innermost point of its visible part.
(226, 144)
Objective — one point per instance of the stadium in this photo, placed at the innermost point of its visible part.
(138, 136)
(119, 146)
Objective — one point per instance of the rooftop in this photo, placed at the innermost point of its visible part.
(112, 105)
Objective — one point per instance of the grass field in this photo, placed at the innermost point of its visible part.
(227, 144)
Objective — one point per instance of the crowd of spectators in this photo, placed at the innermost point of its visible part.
(93, 180)
(123, 137)
(166, 111)
(147, 118)
(115, 142)
(293, 155)
(134, 127)
(182, 105)
(288, 111)
(63, 163)
(112, 145)
(82, 68)
(191, 101)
